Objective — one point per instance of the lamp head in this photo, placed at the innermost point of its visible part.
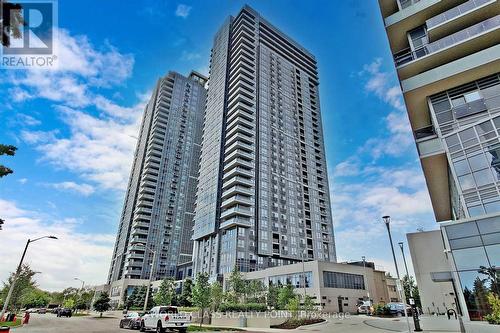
(386, 219)
(52, 237)
(363, 258)
(400, 244)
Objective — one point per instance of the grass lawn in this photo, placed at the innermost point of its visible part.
(197, 328)
(11, 323)
(80, 314)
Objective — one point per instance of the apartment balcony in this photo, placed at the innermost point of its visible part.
(236, 210)
(148, 183)
(238, 171)
(146, 190)
(139, 232)
(460, 17)
(145, 196)
(237, 190)
(141, 217)
(462, 43)
(248, 110)
(239, 145)
(237, 181)
(236, 222)
(142, 210)
(239, 121)
(138, 224)
(239, 153)
(240, 129)
(237, 199)
(238, 162)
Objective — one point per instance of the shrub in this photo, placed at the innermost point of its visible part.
(237, 307)
(381, 310)
(494, 317)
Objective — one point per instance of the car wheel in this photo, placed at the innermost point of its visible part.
(143, 328)
(159, 329)
(182, 330)
(121, 324)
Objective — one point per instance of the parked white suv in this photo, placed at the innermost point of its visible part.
(161, 318)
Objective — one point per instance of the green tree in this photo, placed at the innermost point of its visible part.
(12, 19)
(69, 303)
(409, 284)
(201, 294)
(492, 276)
(272, 296)
(293, 306)
(8, 150)
(256, 289)
(130, 301)
(35, 298)
(140, 298)
(102, 303)
(165, 293)
(480, 293)
(309, 305)
(23, 284)
(237, 286)
(216, 294)
(285, 294)
(185, 297)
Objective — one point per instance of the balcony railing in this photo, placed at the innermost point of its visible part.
(424, 132)
(407, 3)
(454, 12)
(408, 55)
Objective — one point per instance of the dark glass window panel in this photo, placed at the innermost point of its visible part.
(461, 167)
(457, 101)
(483, 177)
(467, 134)
(491, 239)
(466, 242)
(444, 117)
(493, 252)
(475, 286)
(489, 225)
(492, 207)
(462, 230)
(471, 258)
(476, 210)
(452, 140)
(466, 182)
(478, 162)
(441, 106)
(485, 127)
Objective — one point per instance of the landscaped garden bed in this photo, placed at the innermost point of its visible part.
(294, 323)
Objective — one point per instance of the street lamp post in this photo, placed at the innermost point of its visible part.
(365, 279)
(83, 283)
(150, 276)
(416, 321)
(18, 271)
(387, 221)
(304, 273)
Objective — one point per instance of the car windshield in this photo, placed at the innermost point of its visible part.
(133, 315)
(168, 309)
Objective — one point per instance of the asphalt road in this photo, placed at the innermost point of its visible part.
(49, 323)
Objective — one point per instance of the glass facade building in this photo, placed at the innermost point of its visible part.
(159, 202)
(263, 195)
(447, 56)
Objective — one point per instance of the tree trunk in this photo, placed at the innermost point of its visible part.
(202, 316)
(100, 315)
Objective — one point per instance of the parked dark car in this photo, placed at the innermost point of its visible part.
(397, 309)
(64, 312)
(132, 320)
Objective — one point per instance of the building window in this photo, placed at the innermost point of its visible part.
(343, 280)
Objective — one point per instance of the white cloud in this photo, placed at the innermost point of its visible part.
(73, 254)
(399, 136)
(183, 10)
(23, 181)
(189, 56)
(80, 67)
(83, 189)
(98, 147)
(379, 82)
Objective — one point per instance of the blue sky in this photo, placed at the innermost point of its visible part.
(75, 126)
